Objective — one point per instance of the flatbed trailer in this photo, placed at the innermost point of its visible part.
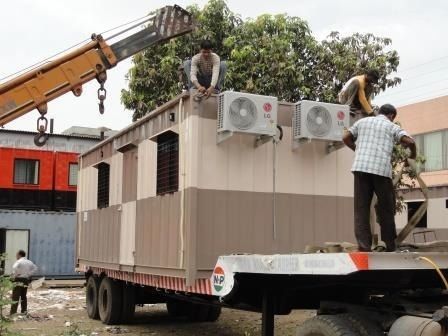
(399, 293)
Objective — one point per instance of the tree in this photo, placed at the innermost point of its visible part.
(154, 76)
(269, 55)
(6, 286)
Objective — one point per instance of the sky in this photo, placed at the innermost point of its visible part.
(34, 30)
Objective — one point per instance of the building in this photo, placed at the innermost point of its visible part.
(38, 198)
(427, 122)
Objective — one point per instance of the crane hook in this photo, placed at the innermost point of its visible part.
(41, 138)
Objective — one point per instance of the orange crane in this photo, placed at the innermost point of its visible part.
(35, 88)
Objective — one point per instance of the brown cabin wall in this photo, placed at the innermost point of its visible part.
(227, 202)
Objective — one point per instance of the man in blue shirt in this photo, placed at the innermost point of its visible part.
(372, 139)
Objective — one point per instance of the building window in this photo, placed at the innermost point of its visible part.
(26, 171)
(103, 185)
(434, 147)
(72, 174)
(167, 163)
(412, 208)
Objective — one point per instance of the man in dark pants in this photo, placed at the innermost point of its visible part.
(22, 269)
(205, 71)
(373, 140)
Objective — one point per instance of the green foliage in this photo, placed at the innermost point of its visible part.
(344, 56)
(273, 55)
(408, 179)
(270, 55)
(6, 286)
(154, 77)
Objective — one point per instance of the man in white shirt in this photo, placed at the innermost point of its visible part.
(22, 270)
(205, 71)
(373, 139)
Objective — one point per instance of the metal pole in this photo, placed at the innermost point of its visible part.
(267, 318)
(274, 200)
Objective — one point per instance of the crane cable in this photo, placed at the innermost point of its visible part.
(46, 60)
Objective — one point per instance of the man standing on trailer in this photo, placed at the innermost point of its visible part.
(357, 93)
(372, 140)
(22, 270)
(205, 71)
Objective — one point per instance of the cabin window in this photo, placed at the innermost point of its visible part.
(167, 163)
(72, 174)
(26, 171)
(103, 185)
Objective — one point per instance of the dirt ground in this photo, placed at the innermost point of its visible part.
(62, 312)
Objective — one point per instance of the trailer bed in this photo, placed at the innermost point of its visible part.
(377, 269)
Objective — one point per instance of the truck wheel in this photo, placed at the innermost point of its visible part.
(326, 325)
(92, 287)
(110, 299)
(364, 326)
(128, 311)
(197, 312)
(177, 308)
(213, 313)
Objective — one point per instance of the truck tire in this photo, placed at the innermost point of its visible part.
(213, 313)
(326, 325)
(128, 311)
(177, 308)
(364, 326)
(92, 287)
(110, 299)
(197, 312)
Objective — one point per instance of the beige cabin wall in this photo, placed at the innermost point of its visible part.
(100, 235)
(147, 169)
(116, 179)
(236, 164)
(88, 179)
(157, 231)
(127, 233)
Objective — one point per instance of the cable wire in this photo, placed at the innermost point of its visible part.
(437, 268)
(35, 65)
(426, 96)
(413, 88)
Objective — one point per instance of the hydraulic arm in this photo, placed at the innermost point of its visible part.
(35, 88)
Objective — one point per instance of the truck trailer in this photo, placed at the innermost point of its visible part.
(170, 210)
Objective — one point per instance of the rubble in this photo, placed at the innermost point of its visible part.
(116, 330)
(56, 299)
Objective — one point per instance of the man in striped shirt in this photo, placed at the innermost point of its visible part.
(205, 71)
(373, 139)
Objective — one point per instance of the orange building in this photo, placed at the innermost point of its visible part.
(427, 122)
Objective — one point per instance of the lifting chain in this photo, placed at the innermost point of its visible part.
(102, 92)
(42, 124)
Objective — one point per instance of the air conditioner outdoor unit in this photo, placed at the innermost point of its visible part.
(246, 113)
(319, 121)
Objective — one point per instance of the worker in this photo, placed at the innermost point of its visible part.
(22, 270)
(372, 140)
(357, 93)
(205, 71)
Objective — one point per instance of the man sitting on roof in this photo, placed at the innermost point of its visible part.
(205, 71)
(357, 93)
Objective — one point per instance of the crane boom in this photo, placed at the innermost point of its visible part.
(34, 89)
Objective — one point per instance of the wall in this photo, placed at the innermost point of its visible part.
(52, 239)
(232, 183)
(225, 198)
(56, 142)
(424, 117)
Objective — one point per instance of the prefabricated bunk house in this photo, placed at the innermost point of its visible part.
(166, 196)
